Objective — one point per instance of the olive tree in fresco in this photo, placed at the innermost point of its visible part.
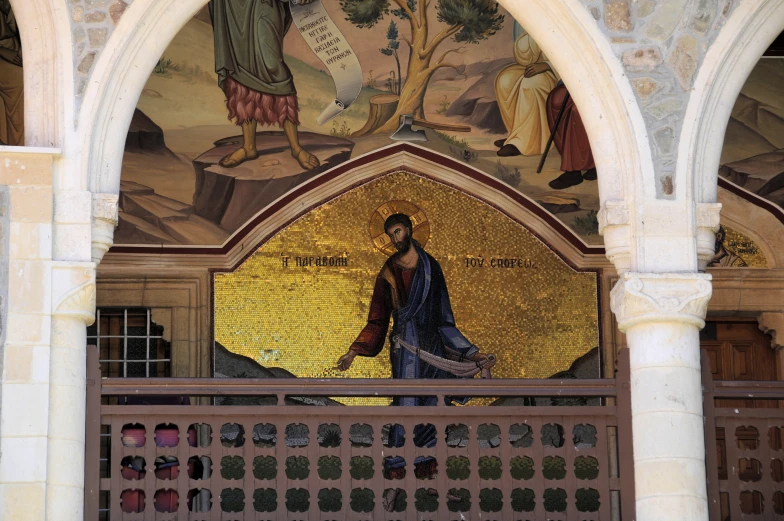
(467, 21)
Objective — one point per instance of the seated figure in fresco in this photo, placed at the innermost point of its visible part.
(251, 71)
(521, 90)
(571, 140)
(11, 79)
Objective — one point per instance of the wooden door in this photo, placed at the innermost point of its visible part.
(739, 351)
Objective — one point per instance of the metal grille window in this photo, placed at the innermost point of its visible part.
(130, 344)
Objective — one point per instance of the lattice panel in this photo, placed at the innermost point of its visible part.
(382, 463)
(752, 454)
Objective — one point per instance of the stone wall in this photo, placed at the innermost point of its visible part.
(661, 44)
(92, 23)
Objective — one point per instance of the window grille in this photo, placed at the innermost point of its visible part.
(130, 344)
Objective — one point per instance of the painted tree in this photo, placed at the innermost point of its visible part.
(467, 22)
(393, 44)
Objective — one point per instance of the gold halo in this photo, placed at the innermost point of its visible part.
(378, 235)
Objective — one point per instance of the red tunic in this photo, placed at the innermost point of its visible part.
(371, 340)
(570, 139)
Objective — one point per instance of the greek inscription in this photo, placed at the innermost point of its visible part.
(313, 24)
(743, 247)
(500, 262)
(314, 261)
(474, 262)
(339, 57)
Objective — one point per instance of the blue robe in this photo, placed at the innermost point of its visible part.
(423, 317)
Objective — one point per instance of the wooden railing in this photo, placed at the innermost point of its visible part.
(296, 462)
(744, 435)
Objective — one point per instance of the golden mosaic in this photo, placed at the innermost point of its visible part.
(735, 250)
(302, 298)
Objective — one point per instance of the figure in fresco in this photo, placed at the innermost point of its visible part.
(11, 79)
(521, 90)
(724, 256)
(411, 288)
(251, 70)
(570, 139)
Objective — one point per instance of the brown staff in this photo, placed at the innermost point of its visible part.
(552, 134)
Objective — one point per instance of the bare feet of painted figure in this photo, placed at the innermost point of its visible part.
(248, 152)
(238, 157)
(248, 149)
(305, 159)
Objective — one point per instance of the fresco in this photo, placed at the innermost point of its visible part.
(11, 79)
(326, 284)
(753, 153)
(255, 98)
(299, 90)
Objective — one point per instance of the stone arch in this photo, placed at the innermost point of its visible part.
(46, 39)
(749, 30)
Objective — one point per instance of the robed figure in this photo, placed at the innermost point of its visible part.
(411, 289)
(253, 74)
(521, 89)
(11, 79)
(571, 140)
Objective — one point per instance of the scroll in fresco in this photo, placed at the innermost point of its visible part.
(328, 43)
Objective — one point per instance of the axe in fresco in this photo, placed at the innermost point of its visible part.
(405, 133)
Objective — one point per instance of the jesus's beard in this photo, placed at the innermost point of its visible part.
(404, 245)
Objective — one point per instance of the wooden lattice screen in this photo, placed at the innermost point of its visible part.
(296, 462)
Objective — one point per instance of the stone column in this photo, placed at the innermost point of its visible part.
(662, 315)
(27, 226)
(73, 297)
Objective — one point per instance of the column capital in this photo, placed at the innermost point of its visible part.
(661, 297)
(73, 290)
(104, 221)
(614, 225)
(708, 217)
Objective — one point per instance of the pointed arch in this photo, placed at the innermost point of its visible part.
(46, 39)
(750, 29)
(567, 32)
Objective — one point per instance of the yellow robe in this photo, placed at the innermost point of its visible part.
(523, 101)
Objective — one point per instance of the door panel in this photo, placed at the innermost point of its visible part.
(739, 351)
(713, 349)
(742, 361)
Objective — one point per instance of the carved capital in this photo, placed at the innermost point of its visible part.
(105, 207)
(104, 221)
(661, 297)
(73, 291)
(772, 324)
(708, 217)
(614, 218)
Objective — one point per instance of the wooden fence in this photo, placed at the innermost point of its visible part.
(286, 460)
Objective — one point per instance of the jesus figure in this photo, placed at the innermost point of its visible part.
(412, 289)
